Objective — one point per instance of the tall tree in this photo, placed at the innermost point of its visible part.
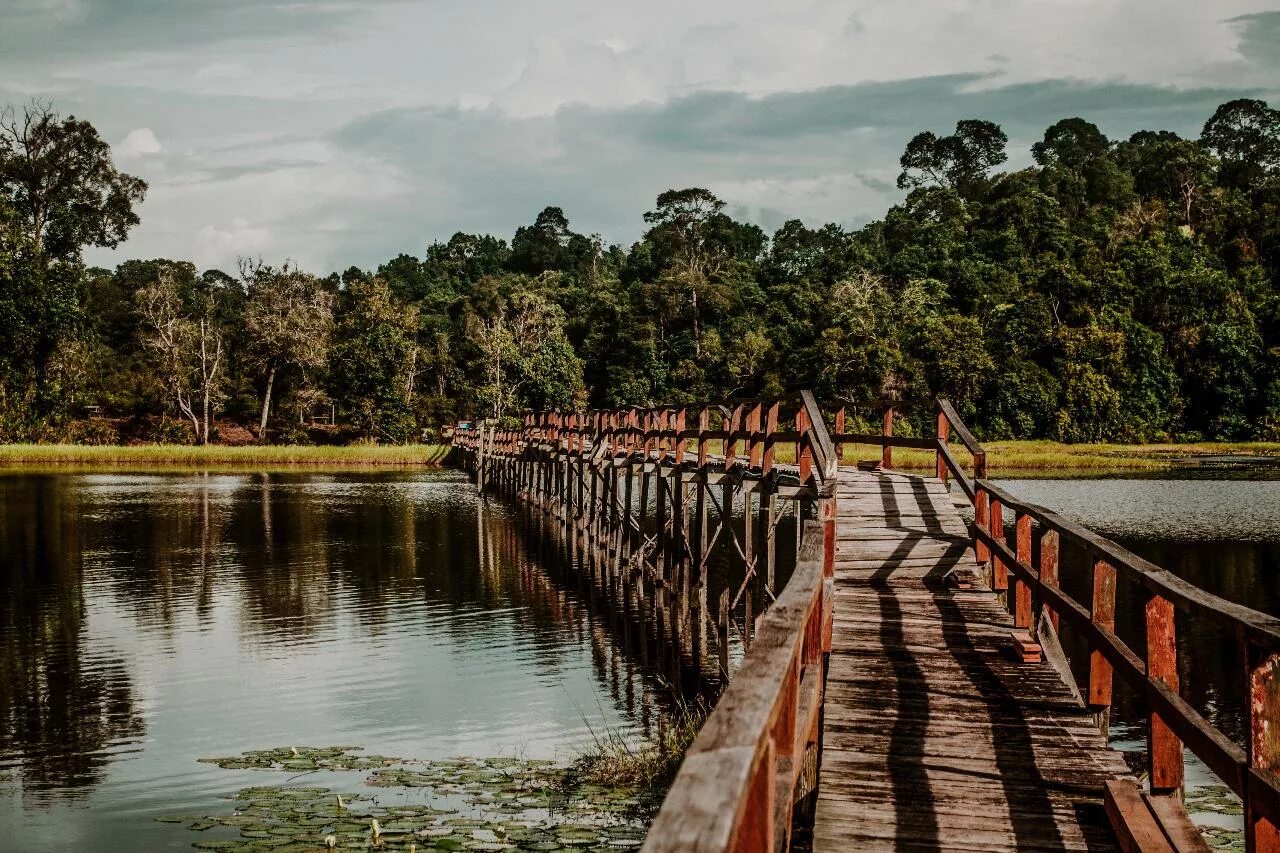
(961, 161)
(183, 332)
(289, 319)
(59, 177)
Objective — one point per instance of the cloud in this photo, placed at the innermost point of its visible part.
(138, 143)
(393, 180)
(345, 131)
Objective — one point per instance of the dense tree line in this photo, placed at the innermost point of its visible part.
(1117, 289)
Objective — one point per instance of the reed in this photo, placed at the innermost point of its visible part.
(613, 760)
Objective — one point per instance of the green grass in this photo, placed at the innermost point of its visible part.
(1018, 456)
(613, 760)
(216, 456)
(1004, 456)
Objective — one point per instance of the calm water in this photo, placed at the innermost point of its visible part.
(150, 620)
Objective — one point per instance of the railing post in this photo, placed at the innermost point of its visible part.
(804, 451)
(995, 526)
(1022, 589)
(704, 424)
(732, 425)
(1049, 568)
(944, 435)
(982, 521)
(1103, 613)
(680, 442)
(755, 447)
(770, 427)
(886, 450)
(835, 439)
(1262, 673)
(1164, 750)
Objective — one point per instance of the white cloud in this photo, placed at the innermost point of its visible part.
(138, 143)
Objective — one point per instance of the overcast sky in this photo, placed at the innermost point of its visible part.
(340, 132)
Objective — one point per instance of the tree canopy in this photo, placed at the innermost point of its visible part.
(1117, 289)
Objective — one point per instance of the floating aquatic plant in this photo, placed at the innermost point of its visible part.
(453, 804)
(302, 760)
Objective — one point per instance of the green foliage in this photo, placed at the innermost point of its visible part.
(1116, 290)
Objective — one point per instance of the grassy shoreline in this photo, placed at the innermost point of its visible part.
(218, 456)
(1002, 456)
(1015, 456)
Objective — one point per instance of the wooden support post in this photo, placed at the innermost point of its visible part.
(944, 435)
(1022, 589)
(1103, 613)
(1049, 567)
(995, 525)
(840, 419)
(886, 450)
(755, 447)
(1262, 673)
(1164, 750)
(769, 535)
(704, 424)
(804, 451)
(770, 427)
(981, 520)
(722, 634)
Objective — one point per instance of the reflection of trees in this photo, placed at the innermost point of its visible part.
(60, 705)
(282, 547)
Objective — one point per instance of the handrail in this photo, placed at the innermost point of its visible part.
(1039, 605)
(750, 749)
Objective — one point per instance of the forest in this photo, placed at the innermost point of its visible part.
(1117, 289)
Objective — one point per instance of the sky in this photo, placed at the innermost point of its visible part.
(344, 132)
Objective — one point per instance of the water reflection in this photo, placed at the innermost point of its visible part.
(148, 620)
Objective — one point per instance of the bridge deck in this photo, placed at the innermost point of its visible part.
(934, 736)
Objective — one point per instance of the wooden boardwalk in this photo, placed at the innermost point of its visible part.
(935, 736)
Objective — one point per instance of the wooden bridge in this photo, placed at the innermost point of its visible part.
(905, 688)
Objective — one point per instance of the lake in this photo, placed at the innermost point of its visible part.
(150, 620)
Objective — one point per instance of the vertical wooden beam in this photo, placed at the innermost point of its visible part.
(1049, 567)
(1164, 750)
(1022, 590)
(1262, 672)
(770, 427)
(1103, 613)
(804, 451)
(886, 450)
(755, 447)
(722, 634)
(999, 571)
(982, 521)
(944, 435)
(840, 420)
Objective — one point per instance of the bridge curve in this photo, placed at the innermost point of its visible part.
(906, 689)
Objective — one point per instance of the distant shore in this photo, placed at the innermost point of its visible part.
(1019, 456)
(220, 456)
(1002, 456)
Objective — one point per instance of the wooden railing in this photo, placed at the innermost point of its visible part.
(736, 788)
(1027, 574)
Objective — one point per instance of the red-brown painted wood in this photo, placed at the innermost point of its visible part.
(1164, 750)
